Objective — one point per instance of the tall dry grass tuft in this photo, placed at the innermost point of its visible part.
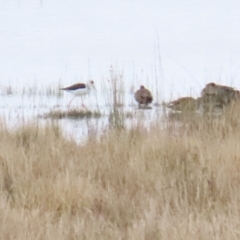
(117, 115)
(130, 184)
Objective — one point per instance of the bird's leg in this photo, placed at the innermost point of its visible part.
(83, 104)
(71, 101)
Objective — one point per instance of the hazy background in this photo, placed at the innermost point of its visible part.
(42, 41)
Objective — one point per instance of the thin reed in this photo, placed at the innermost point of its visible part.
(117, 115)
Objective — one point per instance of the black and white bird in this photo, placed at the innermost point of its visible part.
(80, 89)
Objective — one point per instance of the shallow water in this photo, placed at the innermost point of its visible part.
(17, 109)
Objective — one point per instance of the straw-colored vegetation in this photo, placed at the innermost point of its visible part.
(72, 114)
(182, 182)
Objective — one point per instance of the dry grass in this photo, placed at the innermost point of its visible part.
(132, 184)
(72, 114)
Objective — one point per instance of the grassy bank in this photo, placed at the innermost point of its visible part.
(178, 183)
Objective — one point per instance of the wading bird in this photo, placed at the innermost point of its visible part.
(80, 89)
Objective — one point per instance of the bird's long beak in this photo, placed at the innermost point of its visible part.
(94, 88)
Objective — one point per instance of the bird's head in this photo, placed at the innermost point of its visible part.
(91, 84)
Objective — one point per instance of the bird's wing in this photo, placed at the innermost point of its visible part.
(146, 93)
(75, 86)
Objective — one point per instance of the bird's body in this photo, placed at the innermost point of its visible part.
(80, 89)
(143, 96)
(184, 104)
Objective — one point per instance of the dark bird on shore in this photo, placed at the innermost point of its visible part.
(143, 96)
